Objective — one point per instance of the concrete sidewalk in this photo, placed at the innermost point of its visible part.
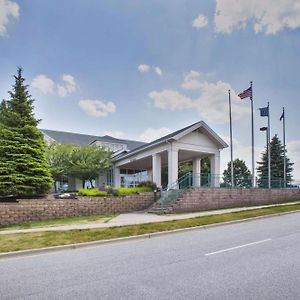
(139, 218)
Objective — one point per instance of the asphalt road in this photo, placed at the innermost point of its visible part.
(252, 260)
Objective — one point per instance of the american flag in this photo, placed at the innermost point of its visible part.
(246, 93)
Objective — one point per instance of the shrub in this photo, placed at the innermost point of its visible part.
(148, 184)
(111, 191)
(123, 191)
(92, 193)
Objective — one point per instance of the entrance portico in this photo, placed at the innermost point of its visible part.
(188, 144)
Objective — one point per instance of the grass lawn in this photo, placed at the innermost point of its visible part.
(60, 222)
(22, 241)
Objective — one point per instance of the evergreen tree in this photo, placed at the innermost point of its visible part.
(24, 170)
(241, 174)
(277, 162)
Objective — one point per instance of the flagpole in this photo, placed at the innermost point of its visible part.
(269, 148)
(231, 149)
(284, 148)
(252, 129)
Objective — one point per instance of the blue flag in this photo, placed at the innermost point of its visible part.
(282, 116)
(264, 111)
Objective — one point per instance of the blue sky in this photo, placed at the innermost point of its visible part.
(141, 69)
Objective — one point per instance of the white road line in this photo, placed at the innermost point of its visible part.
(237, 247)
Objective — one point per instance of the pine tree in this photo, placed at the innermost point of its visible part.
(277, 162)
(24, 170)
(241, 174)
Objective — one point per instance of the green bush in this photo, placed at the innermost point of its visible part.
(123, 191)
(148, 183)
(111, 191)
(92, 193)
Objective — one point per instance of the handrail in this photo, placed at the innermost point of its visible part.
(174, 190)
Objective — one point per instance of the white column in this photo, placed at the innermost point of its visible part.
(71, 184)
(117, 177)
(156, 169)
(197, 172)
(102, 180)
(150, 175)
(172, 165)
(215, 169)
(97, 182)
(78, 184)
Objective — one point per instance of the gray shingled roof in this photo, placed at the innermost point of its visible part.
(133, 146)
(85, 139)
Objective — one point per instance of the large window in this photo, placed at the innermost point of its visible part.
(131, 178)
(114, 147)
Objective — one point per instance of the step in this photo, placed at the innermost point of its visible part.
(160, 212)
(158, 209)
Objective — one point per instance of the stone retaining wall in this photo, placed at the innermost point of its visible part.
(44, 209)
(199, 199)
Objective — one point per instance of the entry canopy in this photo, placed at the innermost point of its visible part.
(175, 136)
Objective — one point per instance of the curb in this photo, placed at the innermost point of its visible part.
(32, 252)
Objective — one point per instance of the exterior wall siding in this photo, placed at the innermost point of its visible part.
(42, 209)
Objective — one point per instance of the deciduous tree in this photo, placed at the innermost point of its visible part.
(241, 174)
(89, 162)
(83, 162)
(59, 159)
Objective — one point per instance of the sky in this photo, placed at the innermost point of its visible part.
(139, 70)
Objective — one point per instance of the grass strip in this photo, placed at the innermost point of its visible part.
(60, 222)
(34, 240)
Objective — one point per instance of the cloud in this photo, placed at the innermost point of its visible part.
(211, 101)
(170, 99)
(47, 86)
(158, 71)
(293, 152)
(143, 68)
(8, 10)
(68, 87)
(44, 84)
(151, 134)
(97, 108)
(266, 16)
(116, 134)
(200, 22)
(191, 81)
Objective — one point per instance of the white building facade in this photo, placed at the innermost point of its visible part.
(134, 161)
(192, 143)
